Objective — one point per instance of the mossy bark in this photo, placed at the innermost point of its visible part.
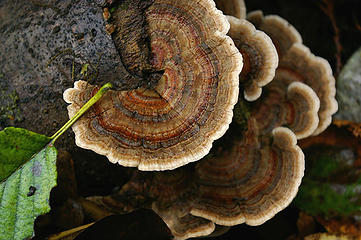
(45, 46)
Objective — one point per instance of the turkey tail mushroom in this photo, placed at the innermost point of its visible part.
(255, 180)
(174, 121)
(306, 105)
(260, 58)
(235, 8)
(283, 34)
(250, 182)
(184, 225)
(255, 172)
(293, 105)
(299, 64)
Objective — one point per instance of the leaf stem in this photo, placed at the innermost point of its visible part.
(68, 233)
(82, 110)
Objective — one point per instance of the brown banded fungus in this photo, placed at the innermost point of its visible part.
(260, 58)
(174, 121)
(253, 173)
(283, 34)
(293, 105)
(235, 8)
(249, 183)
(277, 108)
(298, 64)
(253, 181)
(184, 225)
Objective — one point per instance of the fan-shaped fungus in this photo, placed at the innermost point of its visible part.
(235, 8)
(295, 105)
(184, 225)
(174, 121)
(297, 63)
(259, 56)
(252, 182)
(258, 171)
(283, 34)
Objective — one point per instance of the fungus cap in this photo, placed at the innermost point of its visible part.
(283, 34)
(235, 8)
(297, 63)
(260, 58)
(248, 183)
(184, 225)
(306, 105)
(253, 182)
(293, 104)
(176, 121)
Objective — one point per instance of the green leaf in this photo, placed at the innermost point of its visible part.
(28, 173)
(25, 194)
(16, 147)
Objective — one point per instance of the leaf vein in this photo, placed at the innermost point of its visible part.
(17, 201)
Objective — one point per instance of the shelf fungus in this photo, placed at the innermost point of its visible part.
(294, 105)
(260, 58)
(235, 8)
(255, 170)
(171, 122)
(184, 225)
(298, 64)
(282, 33)
(249, 182)
(258, 177)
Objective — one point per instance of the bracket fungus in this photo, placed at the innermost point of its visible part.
(235, 8)
(249, 183)
(253, 181)
(259, 56)
(295, 105)
(282, 33)
(255, 170)
(297, 63)
(174, 121)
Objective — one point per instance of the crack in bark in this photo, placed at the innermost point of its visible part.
(133, 44)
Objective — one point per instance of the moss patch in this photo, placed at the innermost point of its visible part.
(316, 198)
(9, 110)
(241, 113)
(331, 186)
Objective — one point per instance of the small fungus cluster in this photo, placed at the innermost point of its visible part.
(291, 95)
